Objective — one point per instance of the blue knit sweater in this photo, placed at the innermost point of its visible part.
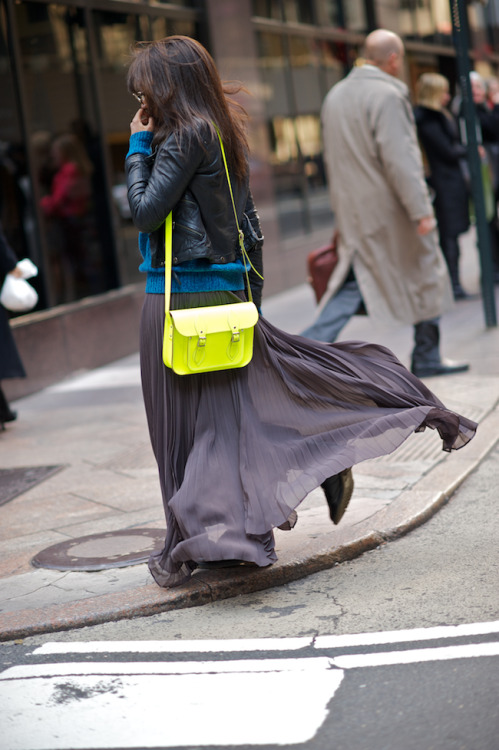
(194, 276)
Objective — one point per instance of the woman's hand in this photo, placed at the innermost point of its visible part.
(142, 122)
(16, 272)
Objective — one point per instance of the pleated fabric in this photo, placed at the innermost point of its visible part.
(238, 450)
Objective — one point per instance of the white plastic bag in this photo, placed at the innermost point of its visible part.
(27, 268)
(17, 295)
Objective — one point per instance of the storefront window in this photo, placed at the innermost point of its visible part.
(15, 194)
(299, 11)
(492, 14)
(297, 73)
(347, 14)
(116, 36)
(66, 159)
(426, 19)
(268, 9)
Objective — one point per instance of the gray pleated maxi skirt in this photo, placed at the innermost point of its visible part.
(238, 450)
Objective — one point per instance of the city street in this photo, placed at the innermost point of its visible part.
(281, 667)
(369, 126)
(362, 636)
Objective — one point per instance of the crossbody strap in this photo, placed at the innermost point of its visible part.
(244, 252)
(169, 232)
(168, 259)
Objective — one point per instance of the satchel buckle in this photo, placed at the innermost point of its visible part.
(201, 339)
(236, 335)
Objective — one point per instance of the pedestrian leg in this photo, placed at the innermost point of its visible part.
(450, 250)
(426, 361)
(336, 313)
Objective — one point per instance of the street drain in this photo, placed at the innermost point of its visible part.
(111, 549)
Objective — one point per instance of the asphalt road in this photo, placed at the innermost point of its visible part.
(434, 687)
(426, 688)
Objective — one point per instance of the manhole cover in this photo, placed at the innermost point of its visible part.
(112, 549)
(14, 482)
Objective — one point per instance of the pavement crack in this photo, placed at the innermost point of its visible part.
(39, 588)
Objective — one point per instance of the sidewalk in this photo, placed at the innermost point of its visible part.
(83, 447)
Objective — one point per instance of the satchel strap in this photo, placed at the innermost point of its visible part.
(240, 232)
(168, 259)
(169, 238)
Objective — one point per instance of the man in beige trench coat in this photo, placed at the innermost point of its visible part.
(390, 259)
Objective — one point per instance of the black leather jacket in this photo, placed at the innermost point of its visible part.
(190, 180)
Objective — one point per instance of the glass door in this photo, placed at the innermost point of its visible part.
(65, 151)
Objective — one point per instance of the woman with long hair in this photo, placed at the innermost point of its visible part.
(238, 450)
(439, 136)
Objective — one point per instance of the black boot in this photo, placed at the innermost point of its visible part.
(426, 361)
(6, 414)
(338, 491)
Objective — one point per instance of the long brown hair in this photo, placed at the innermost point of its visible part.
(183, 90)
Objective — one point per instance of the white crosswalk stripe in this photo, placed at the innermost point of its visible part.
(230, 700)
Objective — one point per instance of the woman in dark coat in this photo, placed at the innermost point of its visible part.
(439, 137)
(10, 361)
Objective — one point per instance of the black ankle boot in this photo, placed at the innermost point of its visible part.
(338, 490)
(426, 360)
(6, 414)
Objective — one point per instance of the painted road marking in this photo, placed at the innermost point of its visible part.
(400, 636)
(174, 647)
(360, 661)
(85, 705)
(270, 644)
(167, 708)
(26, 671)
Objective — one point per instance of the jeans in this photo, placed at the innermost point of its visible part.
(336, 313)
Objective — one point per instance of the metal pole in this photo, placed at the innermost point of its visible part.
(460, 29)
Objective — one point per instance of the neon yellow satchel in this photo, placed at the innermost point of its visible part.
(204, 339)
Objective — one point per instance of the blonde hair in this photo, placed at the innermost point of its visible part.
(429, 90)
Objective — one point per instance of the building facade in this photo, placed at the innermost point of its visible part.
(64, 101)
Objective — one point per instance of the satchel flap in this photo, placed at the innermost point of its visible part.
(198, 321)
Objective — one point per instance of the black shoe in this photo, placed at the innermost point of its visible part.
(219, 564)
(338, 491)
(459, 292)
(290, 522)
(10, 416)
(445, 367)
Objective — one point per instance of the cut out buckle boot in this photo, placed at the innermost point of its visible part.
(426, 361)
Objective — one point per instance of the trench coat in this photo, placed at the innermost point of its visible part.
(378, 193)
(10, 361)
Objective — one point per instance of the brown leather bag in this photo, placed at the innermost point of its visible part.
(320, 265)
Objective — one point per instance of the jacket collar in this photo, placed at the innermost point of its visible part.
(376, 74)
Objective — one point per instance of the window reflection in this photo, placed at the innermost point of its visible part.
(299, 11)
(65, 151)
(427, 19)
(297, 72)
(16, 198)
(347, 14)
(116, 35)
(268, 9)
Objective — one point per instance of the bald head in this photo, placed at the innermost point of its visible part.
(385, 49)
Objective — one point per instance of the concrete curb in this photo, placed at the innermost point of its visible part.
(412, 508)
